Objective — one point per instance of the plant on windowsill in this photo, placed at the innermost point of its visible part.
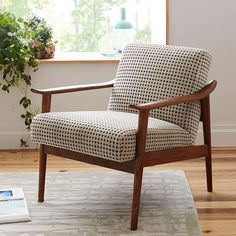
(16, 59)
(19, 40)
(42, 42)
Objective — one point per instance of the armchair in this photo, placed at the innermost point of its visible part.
(158, 98)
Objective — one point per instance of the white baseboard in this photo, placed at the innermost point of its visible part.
(11, 140)
(222, 136)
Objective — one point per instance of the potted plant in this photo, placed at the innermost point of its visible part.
(16, 59)
(21, 43)
(42, 42)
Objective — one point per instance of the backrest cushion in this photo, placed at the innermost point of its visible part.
(151, 72)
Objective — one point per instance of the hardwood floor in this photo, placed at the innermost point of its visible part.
(217, 211)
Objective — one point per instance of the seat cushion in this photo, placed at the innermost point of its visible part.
(105, 134)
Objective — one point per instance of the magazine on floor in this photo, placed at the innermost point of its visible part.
(13, 206)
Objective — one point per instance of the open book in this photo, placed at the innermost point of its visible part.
(13, 206)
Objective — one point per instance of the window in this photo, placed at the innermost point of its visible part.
(93, 25)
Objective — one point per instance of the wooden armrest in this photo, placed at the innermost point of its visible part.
(75, 88)
(177, 100)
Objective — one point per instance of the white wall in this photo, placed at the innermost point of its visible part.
(208, 24)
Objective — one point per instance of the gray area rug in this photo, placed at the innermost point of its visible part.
(99, 203)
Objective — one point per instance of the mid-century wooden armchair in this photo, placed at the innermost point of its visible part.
(158, 97)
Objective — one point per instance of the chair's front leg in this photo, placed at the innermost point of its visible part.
(46, 106)
(138, 171)
(42, 173)
(136, 198)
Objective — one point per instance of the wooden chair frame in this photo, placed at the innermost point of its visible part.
(142, 159)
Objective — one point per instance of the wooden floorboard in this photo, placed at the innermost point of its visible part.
(216, 211)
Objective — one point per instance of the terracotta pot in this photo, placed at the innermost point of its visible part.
(44, 52)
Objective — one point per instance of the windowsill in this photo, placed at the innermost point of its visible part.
(81, 57)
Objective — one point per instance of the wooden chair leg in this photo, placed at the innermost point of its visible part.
(138, 170)
(205, 103)
(208, 163)
(42, 173)
(46, 105)
(136, 198)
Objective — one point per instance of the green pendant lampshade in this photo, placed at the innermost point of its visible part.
(123, 24)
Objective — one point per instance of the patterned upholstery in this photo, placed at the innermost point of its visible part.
(105, 134)
(147, 72)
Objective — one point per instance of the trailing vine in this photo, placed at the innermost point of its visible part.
(17, 57)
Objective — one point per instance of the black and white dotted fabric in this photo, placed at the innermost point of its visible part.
(150, 72)
(106, 134)
(147, 72)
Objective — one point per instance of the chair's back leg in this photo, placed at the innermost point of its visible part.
(42, 173)
(205, 106)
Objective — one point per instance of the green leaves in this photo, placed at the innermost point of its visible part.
(27, 116)
(23, 143)
(6, 88)
(27, 79)
(16, 56)
(15, 36)
(25, 102)
(42, 31)
(17, 39)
